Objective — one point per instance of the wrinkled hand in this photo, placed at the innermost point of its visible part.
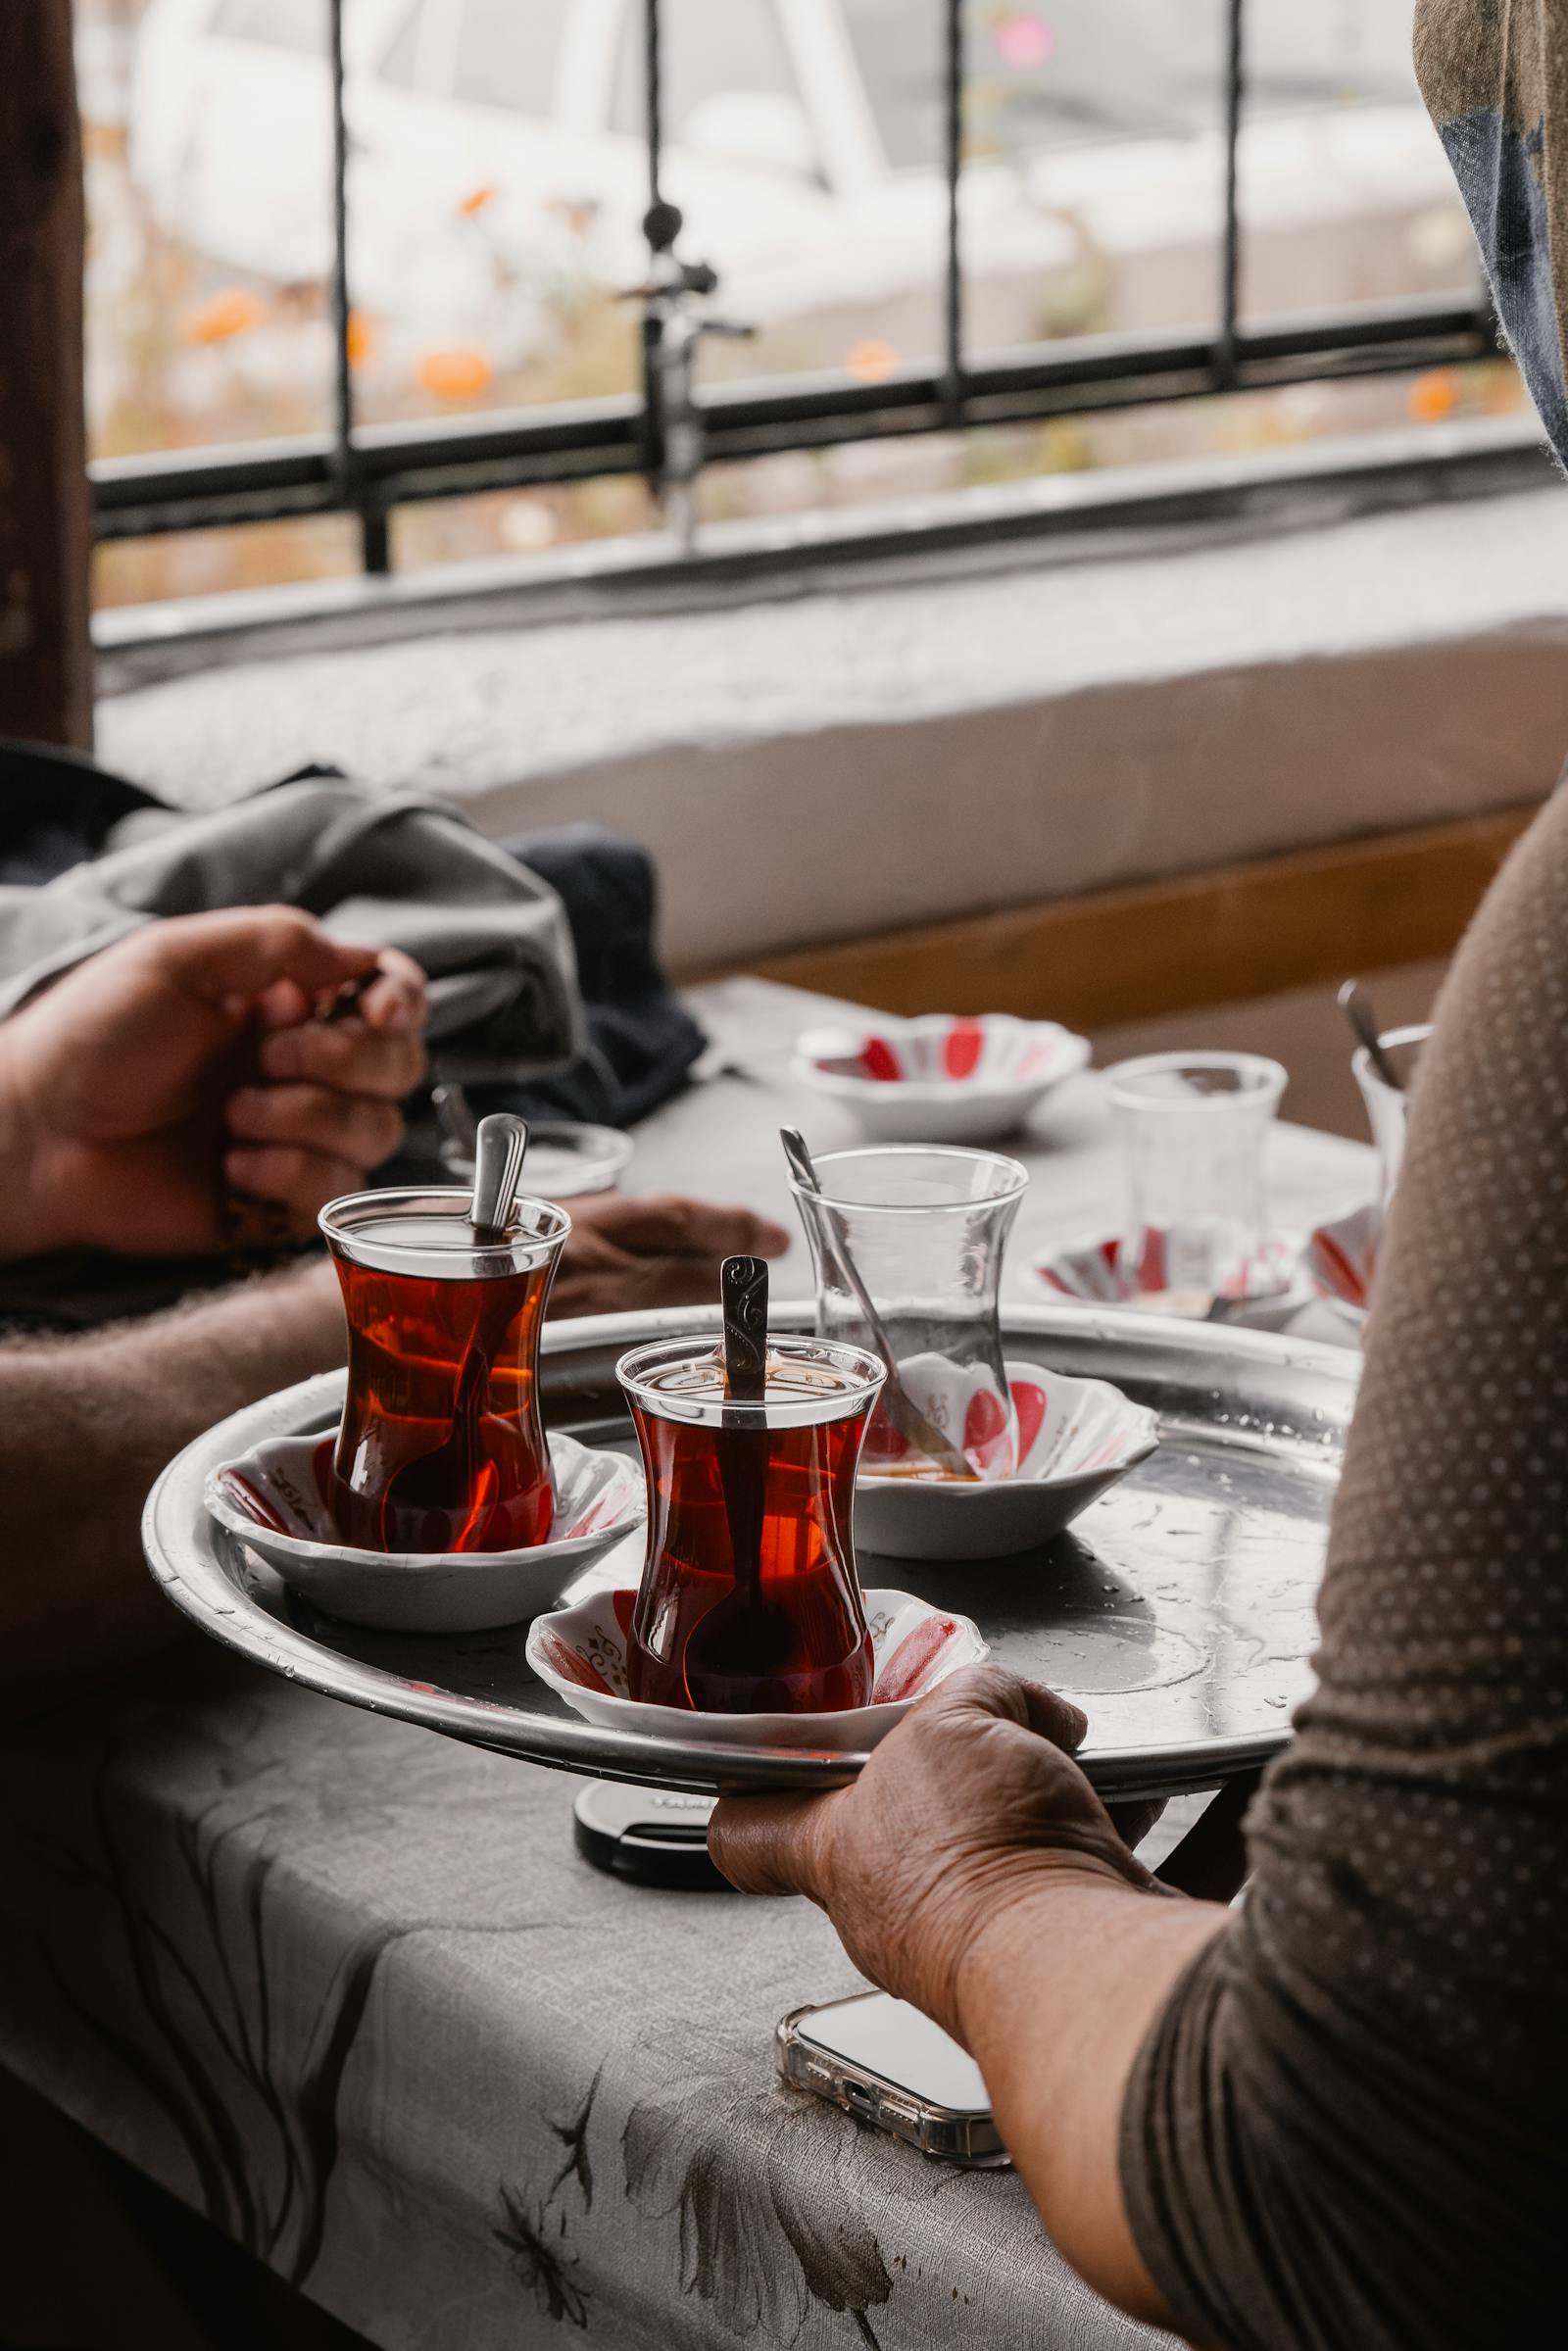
(955, 1818)
(654, 1252)
(185, 1056)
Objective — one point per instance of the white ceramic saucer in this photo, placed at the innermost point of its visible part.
(1089, 1270)
(275, 1498)
(580, 1653)
(1075, 1439)
(1341, 1259)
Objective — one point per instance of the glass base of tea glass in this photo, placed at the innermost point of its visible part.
(1204, 1259)
(1191, 1127)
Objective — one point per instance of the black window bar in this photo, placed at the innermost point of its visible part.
(368, 469)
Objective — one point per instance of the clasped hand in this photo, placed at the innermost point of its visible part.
(184, 1059)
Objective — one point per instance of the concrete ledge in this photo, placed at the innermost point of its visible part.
(854, 762)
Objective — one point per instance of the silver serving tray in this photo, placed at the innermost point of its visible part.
(1179, 1611)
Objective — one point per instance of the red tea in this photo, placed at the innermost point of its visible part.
(750, 1600)
(442, 1448)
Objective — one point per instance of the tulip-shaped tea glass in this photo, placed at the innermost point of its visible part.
(925, 1229)
(1388, 1108)
(750, 1600)
(442, 1448)
(1192, 1126)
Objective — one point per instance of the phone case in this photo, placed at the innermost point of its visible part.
(949, 2134)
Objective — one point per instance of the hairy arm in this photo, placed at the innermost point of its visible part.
(86, 1426)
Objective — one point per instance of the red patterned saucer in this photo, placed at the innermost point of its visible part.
(581, 1652)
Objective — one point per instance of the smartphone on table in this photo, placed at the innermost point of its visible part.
(882, 2060)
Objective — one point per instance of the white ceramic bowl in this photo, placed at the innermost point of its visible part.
(275, 1498)
(940, 1079)
(1075, 1440)
(580, 1653)
(1341, 1259)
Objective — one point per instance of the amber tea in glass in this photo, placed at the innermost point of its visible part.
(442, 1448)
(750, 1600)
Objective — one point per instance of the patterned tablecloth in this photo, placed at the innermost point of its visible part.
(349, 1990)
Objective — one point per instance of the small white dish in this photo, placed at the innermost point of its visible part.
(580, 1653)
(1341, 1259)
(275, 1498)
(940, 1079)
(1089, 1271)
(567, 1160)
(1075, 1440)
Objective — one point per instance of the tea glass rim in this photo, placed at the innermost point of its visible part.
(822, 1197)
(867, 1375)
(1411, 1032)
(515, 1251)
(1266, 1083)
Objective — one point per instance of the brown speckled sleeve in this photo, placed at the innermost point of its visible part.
(1346, 2129)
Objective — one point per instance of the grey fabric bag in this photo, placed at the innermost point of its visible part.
(394, 870)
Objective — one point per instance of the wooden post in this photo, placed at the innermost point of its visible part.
(45, 516)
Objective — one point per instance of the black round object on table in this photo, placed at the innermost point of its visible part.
(651, 1835)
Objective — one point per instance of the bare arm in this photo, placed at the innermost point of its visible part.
(85, 1425)
(1055, 1999)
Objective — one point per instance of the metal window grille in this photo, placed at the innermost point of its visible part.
(368, 469)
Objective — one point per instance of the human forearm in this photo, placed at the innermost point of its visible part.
(1054, 1996)
(85, 1425)
(972, 1871)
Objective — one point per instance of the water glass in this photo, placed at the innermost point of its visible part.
(925, 1229)
(1191, 1127)
(1388, 1108)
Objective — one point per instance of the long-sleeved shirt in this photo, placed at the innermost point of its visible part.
(1346, 2130)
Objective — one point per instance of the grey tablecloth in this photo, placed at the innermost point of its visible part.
(349, 1990)
(347, 1986)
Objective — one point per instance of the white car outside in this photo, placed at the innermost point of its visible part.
(498, 169)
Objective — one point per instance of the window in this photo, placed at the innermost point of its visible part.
(507, 53)
(274, 23)
(713, 49)
(1151, 252)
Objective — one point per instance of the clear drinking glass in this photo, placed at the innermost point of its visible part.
(1388, 1108)
(442, 1448)
(749, 1599)
(925, 1228)
(1191, 1127)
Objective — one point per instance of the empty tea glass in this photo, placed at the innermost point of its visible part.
(1388, 1108)
(1191, 1127)
(926, 1229)
(442, 1448)
(749, 1599)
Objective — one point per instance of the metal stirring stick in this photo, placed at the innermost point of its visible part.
(900, 1408)
(1355, 1004)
